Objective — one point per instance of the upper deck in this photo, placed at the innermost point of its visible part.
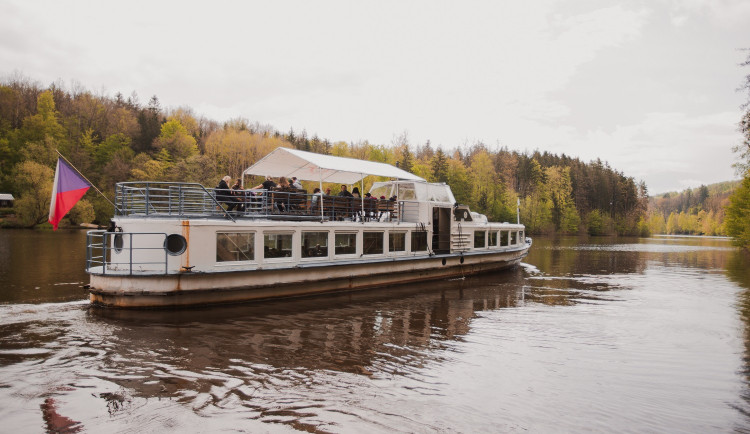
(192, 200)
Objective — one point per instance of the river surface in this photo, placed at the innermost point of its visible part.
(588, 335)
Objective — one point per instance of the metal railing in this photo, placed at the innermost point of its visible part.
(166, 199)
(113, 253)
(179, 199)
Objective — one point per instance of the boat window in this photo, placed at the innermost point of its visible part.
(379, 190)
(314, 244)
(440, 193)
(479, 237)
(520, 237)
(406, 192)
(372, 243)
(346, 244)
(397, 241)
(513, 237)
(277, 245)
(419, 241)
(504, 238)
(492, 239)
(236, 246)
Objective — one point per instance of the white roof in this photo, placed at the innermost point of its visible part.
(6, 196)
(309, 166)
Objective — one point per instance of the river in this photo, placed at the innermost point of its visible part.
(589, 334)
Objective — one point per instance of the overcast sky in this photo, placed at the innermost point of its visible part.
(649, 86)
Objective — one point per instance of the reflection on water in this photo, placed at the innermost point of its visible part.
(39, 266)
(589, 335)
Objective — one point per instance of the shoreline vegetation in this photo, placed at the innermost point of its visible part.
(115, 139)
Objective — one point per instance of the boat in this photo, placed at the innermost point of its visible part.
(174, 244)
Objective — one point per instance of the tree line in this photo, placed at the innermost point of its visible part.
(699, 211)
(738, 209)
(116, 138)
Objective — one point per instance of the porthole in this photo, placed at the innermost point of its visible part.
(118, 243)
(175, 244)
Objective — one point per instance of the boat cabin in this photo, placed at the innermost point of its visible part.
(171, 227)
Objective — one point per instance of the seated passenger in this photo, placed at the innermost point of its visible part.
(223, 192)
(344, 192)
(316, 197)
(296, 184)
(239, 197)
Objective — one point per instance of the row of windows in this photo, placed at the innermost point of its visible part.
(507, 238)
(240, 246)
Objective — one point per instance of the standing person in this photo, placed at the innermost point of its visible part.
(295, 183)
(266, 185)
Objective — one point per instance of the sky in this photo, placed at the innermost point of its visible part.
(648, 86)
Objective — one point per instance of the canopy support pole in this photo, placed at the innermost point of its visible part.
(362, 196)
(320, 179)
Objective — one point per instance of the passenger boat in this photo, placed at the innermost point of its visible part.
(176, 244)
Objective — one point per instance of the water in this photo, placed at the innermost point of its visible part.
(602, 335)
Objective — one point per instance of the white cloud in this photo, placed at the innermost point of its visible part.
(671, 150)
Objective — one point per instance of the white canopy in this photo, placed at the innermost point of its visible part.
(308, 166)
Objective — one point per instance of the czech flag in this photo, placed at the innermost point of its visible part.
(68, 189)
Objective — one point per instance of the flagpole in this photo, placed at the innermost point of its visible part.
(87, 180)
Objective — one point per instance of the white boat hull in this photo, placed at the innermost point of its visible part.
(191, 288)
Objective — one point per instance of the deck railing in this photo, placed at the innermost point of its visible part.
(113, 253)
(179, 199)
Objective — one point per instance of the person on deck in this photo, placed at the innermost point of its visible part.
(295, 183)
(239, 197)
(316, 197)
(223, 192)
(355, 192)
(344, 192)
(266, 185)
(283, 183)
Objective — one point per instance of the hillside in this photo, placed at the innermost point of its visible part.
(115, 139)
(697, 211)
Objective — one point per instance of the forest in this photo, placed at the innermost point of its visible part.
(699, 211)
(112, 139)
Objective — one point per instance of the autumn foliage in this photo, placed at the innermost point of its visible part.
(114, 139)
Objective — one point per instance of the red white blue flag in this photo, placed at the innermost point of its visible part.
(68, 189)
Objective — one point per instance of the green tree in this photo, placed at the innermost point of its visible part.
(406, 162)
(34, 185)
(596, 224)
(42, 133)
(82, 212)
(439, 167)
(737, 218)
(175, 138)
